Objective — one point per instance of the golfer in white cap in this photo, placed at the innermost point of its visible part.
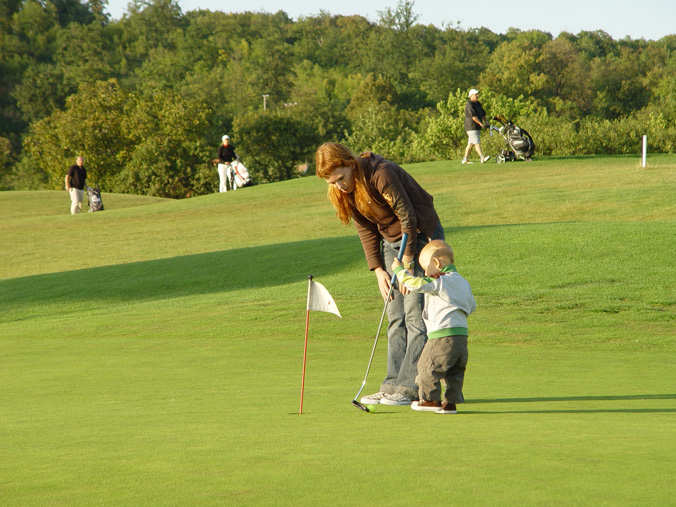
(226, 154)
(475, 120)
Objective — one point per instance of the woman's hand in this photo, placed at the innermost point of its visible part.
(383, 282)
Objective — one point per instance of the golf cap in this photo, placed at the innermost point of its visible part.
(225, 137)
(473, 91)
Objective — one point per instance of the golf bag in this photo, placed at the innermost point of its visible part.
(520, 145)
(239, 175)
(94, 198)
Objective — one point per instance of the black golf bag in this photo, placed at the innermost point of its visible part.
(94, 198)
(520, 145)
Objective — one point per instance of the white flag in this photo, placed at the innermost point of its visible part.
(320, 300)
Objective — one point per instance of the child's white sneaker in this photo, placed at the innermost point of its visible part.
(426, 406)
(485, 159)
(465, 161)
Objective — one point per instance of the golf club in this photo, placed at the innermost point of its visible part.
(355, 402)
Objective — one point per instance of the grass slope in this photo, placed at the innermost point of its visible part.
(152, 353)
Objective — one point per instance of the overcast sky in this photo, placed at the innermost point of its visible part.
(649, 19)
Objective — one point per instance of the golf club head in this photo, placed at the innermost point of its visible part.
(360, 406)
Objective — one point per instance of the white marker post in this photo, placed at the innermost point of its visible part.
(645, 150)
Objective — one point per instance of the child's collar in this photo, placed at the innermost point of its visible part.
(448, 268)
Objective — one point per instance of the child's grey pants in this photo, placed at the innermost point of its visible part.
(442, 358)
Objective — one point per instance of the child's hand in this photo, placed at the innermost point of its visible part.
(395, 264)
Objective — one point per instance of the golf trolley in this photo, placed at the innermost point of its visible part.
(520, 145)
(94, 198)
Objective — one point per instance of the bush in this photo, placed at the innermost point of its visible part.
(591, 135)
(552, 135)
(386, 130)
(28, 175)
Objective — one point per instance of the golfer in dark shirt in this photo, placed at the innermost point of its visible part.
(475, 120)
(226, 154)
(75, 184)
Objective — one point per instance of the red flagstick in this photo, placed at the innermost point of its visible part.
(307, 325)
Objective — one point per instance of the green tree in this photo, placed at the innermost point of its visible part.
(596, 44)
(83, 54)
(41, 92)
(163, 69)
(26, 41)
(329, 41)
(74, 11)
(665, 95)
(458, 61)
(273, 144)
(372, 90)
(90, 125)
(377, 123)
(617, 83)
(513, 69)
(391, 48)
(5, 158)
(166, 145)
(148, 25)
(561, 68)
(321, 96)
(34, 29)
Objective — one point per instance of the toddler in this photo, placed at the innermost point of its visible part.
(448, 302)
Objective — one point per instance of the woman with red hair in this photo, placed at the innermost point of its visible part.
(384, 201)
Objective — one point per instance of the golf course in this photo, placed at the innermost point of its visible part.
(151, 353)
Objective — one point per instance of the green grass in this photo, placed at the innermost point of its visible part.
(151, 354)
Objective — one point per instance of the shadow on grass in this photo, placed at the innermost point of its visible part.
(212, 272)
(223, 271)
(630, 397)
(577, 398)
(576, 411)
(583, 157)
(205, 273)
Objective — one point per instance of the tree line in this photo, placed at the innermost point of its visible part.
(146, 98)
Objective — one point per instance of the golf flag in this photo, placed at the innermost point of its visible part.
(318, 299)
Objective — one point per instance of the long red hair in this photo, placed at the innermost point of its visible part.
(329, 157)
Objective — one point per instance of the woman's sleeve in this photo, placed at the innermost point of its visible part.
(394, 192)
(370, 241)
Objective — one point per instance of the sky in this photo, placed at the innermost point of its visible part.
(647, 19)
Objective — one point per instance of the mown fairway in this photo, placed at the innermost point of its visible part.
(151, 354)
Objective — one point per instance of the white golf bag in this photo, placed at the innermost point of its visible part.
(238, 175)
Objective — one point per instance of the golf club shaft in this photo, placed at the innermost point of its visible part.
(400, 255)
(375, 342)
